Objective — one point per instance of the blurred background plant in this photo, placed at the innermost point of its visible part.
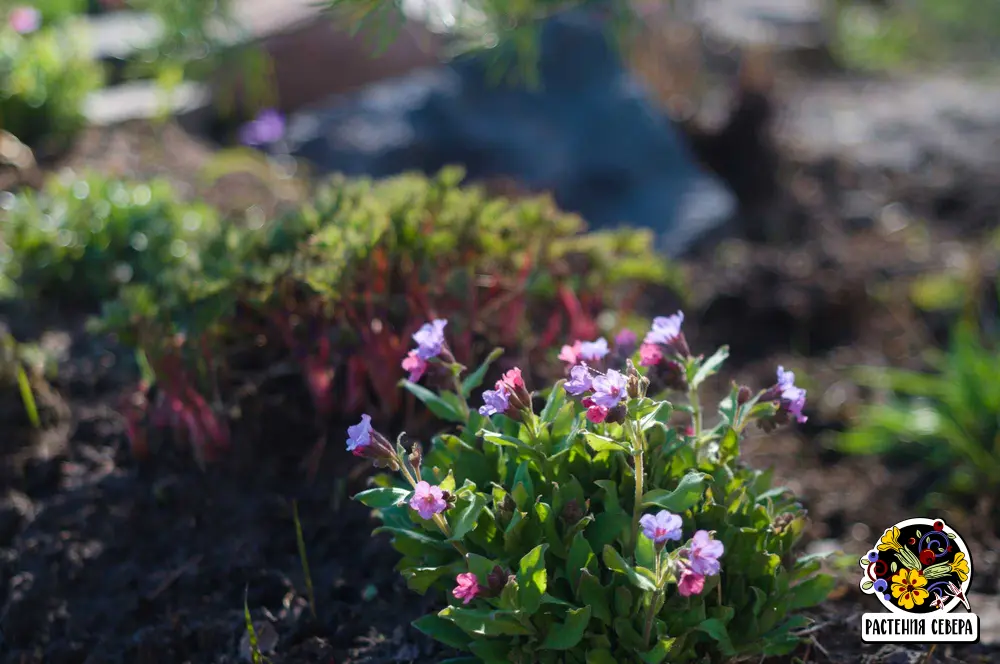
(890, 34)
(82, 237)
(45, 77)
(333, 291)
(946, 419)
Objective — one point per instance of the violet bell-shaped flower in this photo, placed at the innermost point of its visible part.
(364, 441)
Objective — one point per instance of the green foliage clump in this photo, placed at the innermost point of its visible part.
(45, 78)
(535, 519)
(82, 238)
(338, 286)
(947, 419)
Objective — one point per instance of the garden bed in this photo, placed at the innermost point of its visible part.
(107, 559)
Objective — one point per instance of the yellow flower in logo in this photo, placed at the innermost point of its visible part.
(960, 566)
(908, 588)
(890, 540)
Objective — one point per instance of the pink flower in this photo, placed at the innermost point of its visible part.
(428, 500)
(513, 378)
(571, 354)
(467, 588)
(650, 355)
(24, 20)
(595, 413)
(690, 583)
(415, 364)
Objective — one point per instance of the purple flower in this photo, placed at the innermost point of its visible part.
(495, 401)
(872, 556)
(610, 389)
(594, 350)
(430, 339)
(580, 380)
(793, 399)
(626, 338)
(359, 436)
(24, 20)
(267, 128)
(881, 585)
(704, 553)
(666, 329)
(428, 500)
(661, 527)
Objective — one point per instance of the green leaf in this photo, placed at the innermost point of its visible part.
(434, 403)
(461, 660)
(614, 562)
(522, 477)
(480, 566)
(475, 379)
(660, 415)
(596, 596)
(491, 651)
(420, 579)
(557, 397)
(867, 585)
(382, 498)
(503, 440)
(442, 630)
(581, 557)
(28, 397)
(570, 633)
(659, 651)
(600, 657)
(687, 494)
(467, 516)
(484, 622)
(604, 444)
(811, 592)
(532, 579)
(715, 629)
(709, 367)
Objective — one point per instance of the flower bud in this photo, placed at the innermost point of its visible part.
(743, 395)
(496, 581)
(572, 512)
(633, 381)
(416, 456)
(781, 522)
(505, 511)
(617, 414)
(673, 375)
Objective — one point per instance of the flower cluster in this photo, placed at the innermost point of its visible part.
(266, 129)
(552, 529)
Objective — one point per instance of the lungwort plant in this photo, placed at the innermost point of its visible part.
(587, 527)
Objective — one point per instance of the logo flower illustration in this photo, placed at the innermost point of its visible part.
(908, 587)
(918, 566)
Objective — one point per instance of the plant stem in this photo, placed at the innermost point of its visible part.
(695, 410)
(640, 472)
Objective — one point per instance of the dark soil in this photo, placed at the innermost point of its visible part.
(105, 559)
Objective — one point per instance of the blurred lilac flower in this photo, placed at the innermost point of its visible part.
(267, 128)
(793, 399)
(495, 401)
(467, 588)
(430, 339)
(666, 329)
(571, 354)
(594, 350)
(580, 380)
(610, 389)
(661, 527)
(428, 500)
(359, 436)
(625, 341)
(703, 553)
(24, 20)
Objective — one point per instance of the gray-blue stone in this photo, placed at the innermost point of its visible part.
(589, 133)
